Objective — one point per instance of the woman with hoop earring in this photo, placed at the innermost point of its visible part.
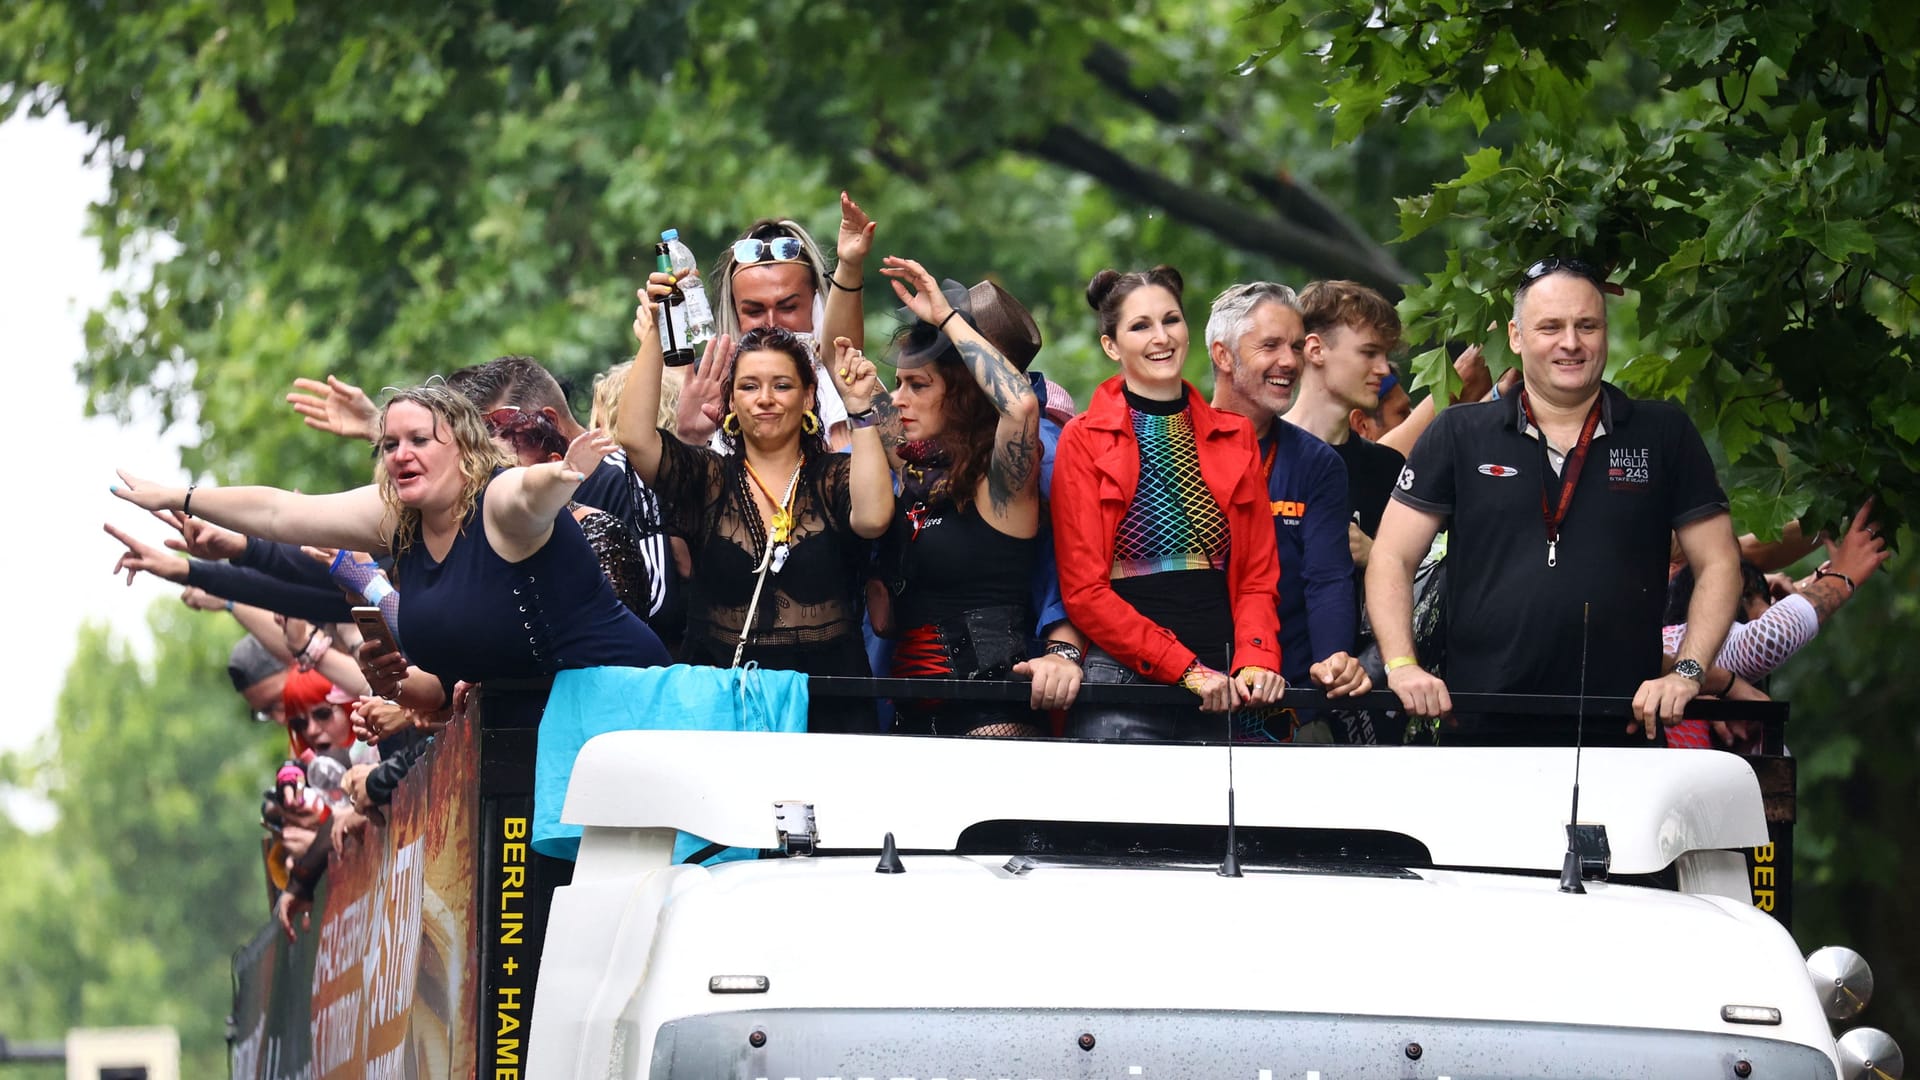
(779, 528)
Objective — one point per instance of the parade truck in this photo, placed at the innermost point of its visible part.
(762, 905)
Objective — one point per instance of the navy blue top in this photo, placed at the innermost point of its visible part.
(1307, 489)
(475, 616)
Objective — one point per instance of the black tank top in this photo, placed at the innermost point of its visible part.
(955, 562)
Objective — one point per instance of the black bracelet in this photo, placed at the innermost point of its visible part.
(186, 504)
(942, 327)
(865, 418)
(1823, 572)
(833, 282)
(1065, 648)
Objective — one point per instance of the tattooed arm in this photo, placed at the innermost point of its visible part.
(1012, 501)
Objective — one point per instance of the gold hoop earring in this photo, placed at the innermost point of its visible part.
(730, 424)
(810, 422)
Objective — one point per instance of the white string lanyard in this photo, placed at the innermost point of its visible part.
(767, 556)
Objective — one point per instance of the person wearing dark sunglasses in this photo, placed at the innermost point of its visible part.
(1560, 500)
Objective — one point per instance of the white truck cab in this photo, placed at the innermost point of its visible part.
(1007, 908)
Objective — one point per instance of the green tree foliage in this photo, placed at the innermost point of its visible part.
(1745, 167)
(389, 191)
(126, 911)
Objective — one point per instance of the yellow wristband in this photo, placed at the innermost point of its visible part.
(1399, 662)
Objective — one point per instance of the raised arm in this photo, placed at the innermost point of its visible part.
(523, 502)
(870, 481)
(844, 317)
(350, 519)
(640, 399)
(1013, 474)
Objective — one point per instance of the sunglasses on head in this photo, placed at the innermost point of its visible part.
(1558, 265)
(772, 249)
(502, 416)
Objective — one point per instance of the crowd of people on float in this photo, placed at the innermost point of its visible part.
(1303, 523)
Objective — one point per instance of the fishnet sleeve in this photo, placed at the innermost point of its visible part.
(1755, 648)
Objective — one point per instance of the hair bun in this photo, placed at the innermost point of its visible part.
(1101, 285)
(1169, 277)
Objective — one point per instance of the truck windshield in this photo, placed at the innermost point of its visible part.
(1091, 1045)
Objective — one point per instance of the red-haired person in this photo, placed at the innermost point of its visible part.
(1162, 529)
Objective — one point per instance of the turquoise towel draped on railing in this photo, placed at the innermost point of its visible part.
(590, 701)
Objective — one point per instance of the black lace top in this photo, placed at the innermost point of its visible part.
(813, 599)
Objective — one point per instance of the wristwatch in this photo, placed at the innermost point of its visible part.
(1692, 670)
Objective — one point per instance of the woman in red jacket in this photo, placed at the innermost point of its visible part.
(1165, 543)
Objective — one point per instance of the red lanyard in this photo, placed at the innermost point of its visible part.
(1576, 459)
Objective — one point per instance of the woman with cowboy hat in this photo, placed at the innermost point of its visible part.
(518, 596)
(958, 560)
(779, 527)
(1161, 526)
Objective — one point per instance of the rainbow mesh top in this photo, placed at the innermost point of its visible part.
(1174, 522)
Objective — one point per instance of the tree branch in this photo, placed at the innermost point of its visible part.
(1297, 202)
(1275, 237)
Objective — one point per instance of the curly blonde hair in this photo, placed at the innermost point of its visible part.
(479, 457)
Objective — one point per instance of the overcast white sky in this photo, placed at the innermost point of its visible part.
(56, 557)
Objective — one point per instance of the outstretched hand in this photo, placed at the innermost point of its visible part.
(141, 556)
(925, 299)
(201, 538)
(337, 407)
(854, 376)
(585, 454)
(856, 231)
(146, 494)
(703, 396)
(200, 599)
(1862, 550)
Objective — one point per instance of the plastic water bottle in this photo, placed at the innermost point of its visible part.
(698, 312)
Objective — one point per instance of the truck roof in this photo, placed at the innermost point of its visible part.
(1471, 807)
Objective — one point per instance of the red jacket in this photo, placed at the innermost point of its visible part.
(1095, 471)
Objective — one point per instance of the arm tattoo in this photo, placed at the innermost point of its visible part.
(889, 425)
(1011, 471)
(1825, 596)
(1014, 459)
(1002, 381)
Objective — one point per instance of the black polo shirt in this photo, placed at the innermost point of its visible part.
(1514, 622)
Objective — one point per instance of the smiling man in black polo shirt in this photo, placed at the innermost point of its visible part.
(1558, 497)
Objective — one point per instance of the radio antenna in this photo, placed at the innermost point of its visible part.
(1570, 870)
(1230, 866)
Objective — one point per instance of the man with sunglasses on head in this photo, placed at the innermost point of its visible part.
(1559, 500)
(775, 275)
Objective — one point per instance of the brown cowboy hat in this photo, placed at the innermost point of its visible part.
(989, 309)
